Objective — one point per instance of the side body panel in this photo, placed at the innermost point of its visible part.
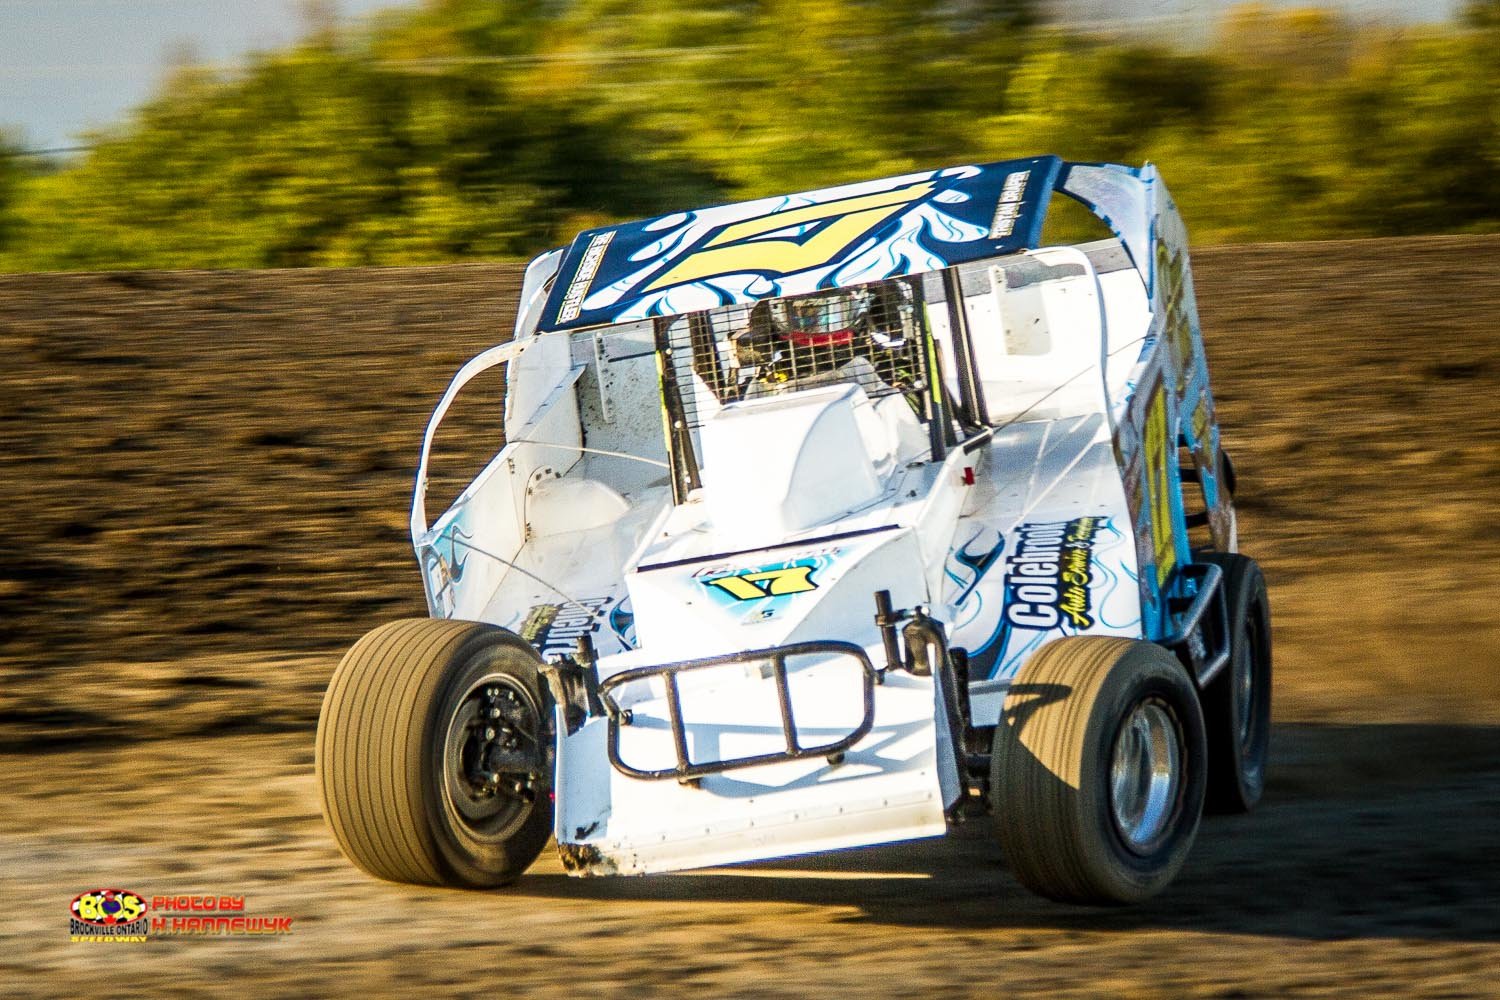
(1166, 402)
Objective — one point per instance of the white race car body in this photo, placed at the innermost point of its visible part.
(738, 539)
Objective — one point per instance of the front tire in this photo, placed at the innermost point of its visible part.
(434, 754)
(1098, 774)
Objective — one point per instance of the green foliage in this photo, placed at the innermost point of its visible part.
(1482, 14)
(8, 184)
(12, 176)
(466, 129)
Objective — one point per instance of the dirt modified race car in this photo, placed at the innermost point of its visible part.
(828, 520)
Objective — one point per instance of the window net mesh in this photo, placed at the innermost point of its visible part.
(868, 335)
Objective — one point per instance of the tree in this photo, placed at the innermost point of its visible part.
(458, 129)
(1482, 14)
(11, 175)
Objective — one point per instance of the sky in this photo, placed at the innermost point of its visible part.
(70, 65)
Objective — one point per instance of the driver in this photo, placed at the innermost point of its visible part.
(807, 341)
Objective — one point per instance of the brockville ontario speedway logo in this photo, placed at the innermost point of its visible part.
(120, 915)
(112, 915)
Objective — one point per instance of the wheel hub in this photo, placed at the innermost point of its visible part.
(1146, 774)
(492, 754)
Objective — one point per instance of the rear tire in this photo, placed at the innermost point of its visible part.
(1237, 702)
(435, 754)
(1098, 773)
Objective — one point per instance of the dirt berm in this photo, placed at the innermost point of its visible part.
(206, 478)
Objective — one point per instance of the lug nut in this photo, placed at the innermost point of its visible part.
(489, 732)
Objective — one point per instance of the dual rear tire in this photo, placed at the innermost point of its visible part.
(1237, 702)
(1106, 754)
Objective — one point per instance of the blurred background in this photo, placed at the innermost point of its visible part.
(210, 411)
(271, 133)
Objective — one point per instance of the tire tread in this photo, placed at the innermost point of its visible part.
(372, 713)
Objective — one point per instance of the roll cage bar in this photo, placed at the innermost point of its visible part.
(938, 410)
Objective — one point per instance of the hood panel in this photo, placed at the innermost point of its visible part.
(768, 597)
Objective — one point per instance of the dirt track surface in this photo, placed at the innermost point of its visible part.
(207, 477)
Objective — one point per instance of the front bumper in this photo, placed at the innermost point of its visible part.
(774, 661)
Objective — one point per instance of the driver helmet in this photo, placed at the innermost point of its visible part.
(828, 320)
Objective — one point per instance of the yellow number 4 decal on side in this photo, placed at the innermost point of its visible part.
(751, 585)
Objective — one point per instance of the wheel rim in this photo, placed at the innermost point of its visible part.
(1146, 774)
(492, 759)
